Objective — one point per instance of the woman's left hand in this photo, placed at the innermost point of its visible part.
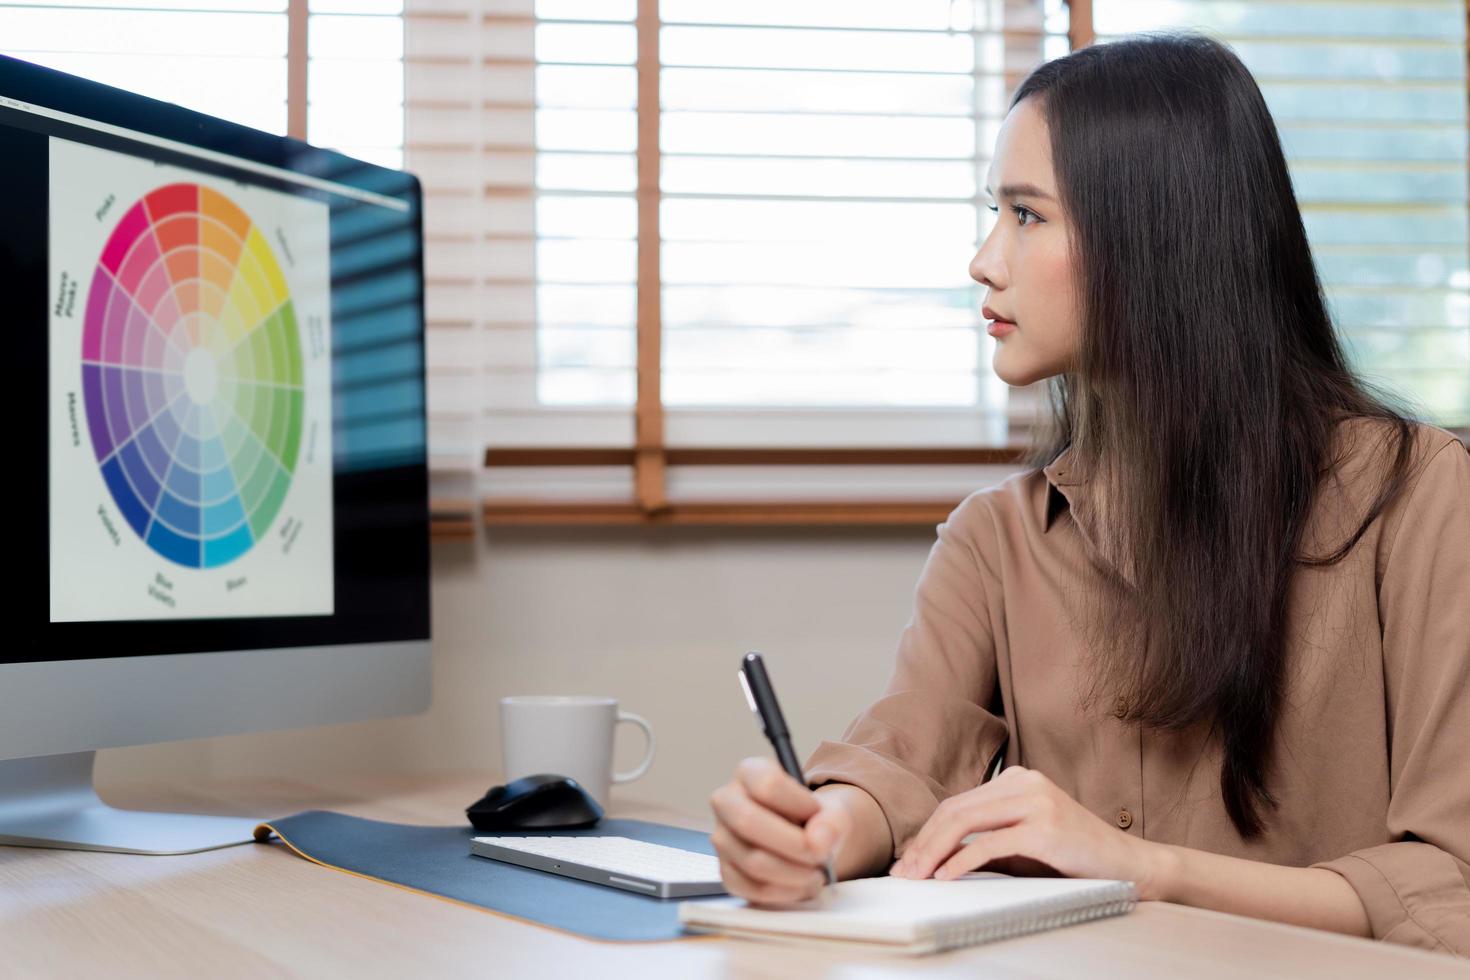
(1025, 818)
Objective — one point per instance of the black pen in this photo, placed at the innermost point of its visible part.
(761, 697)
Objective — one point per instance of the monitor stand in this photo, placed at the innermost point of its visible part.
(48, 801)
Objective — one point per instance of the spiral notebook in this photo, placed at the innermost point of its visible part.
(924, 916)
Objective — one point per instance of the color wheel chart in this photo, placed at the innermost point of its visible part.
(192, 375)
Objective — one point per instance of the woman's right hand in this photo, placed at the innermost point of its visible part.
(773, 835)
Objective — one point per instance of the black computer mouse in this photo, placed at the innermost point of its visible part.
(545, 801)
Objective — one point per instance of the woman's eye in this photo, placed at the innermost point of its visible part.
(1021, 211)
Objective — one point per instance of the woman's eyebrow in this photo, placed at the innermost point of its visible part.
(1022, 190)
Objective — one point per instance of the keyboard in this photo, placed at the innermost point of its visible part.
(621, 862)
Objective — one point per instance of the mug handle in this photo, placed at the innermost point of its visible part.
(642, 767)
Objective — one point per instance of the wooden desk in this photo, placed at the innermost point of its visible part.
(261, 911)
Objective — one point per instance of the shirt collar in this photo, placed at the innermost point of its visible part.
(1063, 477)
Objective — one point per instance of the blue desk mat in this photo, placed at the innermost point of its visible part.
(437, 861)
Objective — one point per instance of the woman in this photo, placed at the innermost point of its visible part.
(1216, 638)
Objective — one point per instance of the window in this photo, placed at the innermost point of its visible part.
(791, 276)
(330, 73)
(355, 78)
(705, 260)
(226, 58)
(821, 164)
(1370, 102)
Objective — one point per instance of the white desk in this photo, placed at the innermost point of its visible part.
(256, 911)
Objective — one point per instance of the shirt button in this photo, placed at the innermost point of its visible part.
(1125, 819)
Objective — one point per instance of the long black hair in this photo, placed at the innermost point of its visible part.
(1207, 391)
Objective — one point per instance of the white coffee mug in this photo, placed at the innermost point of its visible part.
(570, 736)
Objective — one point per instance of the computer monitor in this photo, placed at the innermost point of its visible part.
(228, 483)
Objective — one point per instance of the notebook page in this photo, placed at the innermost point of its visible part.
(895, 910)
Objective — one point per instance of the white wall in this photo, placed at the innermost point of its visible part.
(657, 617)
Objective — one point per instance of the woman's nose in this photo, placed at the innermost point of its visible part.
(986, 267)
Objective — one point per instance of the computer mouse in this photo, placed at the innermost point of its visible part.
(545, 801)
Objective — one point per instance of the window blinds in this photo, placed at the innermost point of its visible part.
(820, 200)
(230, 58)
(521, 123)
(223, 57)
(355, 78)
(822, 175)
(1370, 101)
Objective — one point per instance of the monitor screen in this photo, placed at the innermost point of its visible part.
(226, 330)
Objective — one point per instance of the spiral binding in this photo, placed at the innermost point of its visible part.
(1034, 916)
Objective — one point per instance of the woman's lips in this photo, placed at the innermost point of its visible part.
(998, 326)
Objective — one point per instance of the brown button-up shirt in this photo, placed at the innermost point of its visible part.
(1371, 764)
